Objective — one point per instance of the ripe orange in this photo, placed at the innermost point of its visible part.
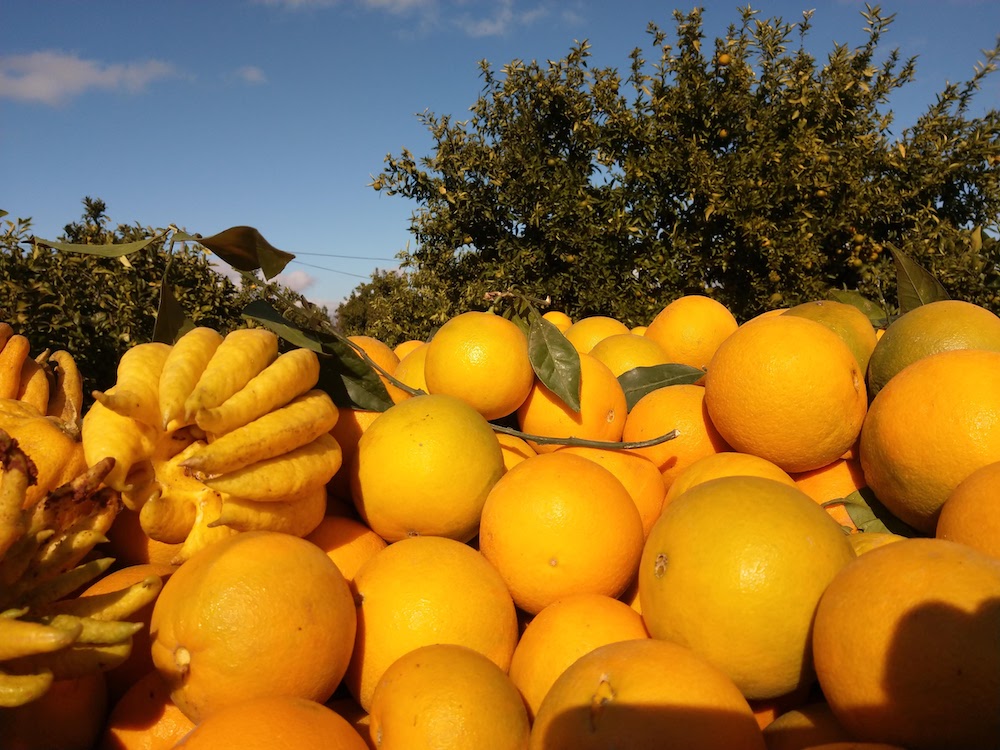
(410, 370)
(971, 514)
(351, 425)
(69, 716)
(515, 450)
(834, 481)
(725, 464)
(559, 524)
(906, 647)
(933, 424)
(602, 409)
(404, 348)
(446, 696)
(349, 543)
(563, 632)
(257, 614)
(674, 407)
(271, 722)
(691, 328)
(804, 726)
(786, 389)
(406, 476)
(586, 332)
(625, 351)
(383, 356)
(733, 569)
(847, 321)
(635, 694)
(145, 718)
(482, 359)
(140, 662)
(928, 329)
(637, 473)
(870, 540)
(559, 319)
(426, 590)
(130, 545)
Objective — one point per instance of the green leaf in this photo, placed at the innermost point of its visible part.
(171, 321)
(869, 514)
(115, 250)
(639, 381)
(244, 248)
(915, 286)
(554, 359)
(3, 213)
(878, 317)
(350, 381)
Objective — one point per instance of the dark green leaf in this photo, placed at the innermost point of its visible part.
(869, 514)
(914, 284)
(115, 250)
(554, 360)
(639, 381)
(3, 213)
(171, 322)
(878, 317)
(520, 313)
(244, 248)
(349, 380)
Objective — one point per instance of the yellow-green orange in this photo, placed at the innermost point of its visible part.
(847, 321)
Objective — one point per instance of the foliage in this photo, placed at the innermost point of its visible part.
(745, 170)
(97, 307)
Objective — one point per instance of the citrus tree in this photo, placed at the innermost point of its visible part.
(742, 168)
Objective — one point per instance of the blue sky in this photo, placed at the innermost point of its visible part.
(278, 113)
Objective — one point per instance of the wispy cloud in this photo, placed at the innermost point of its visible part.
(500, 19)
(52, 77)
(251, 74)
(297, 281)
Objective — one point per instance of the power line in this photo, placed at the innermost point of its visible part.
(333, 270)
(352, 257)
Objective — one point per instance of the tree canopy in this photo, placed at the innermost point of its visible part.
(742, 168)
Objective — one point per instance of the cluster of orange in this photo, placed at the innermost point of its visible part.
(478, 587)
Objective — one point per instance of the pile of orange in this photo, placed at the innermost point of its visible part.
(812, 559)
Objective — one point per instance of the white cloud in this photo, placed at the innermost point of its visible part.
(52, 78)
(251, 74)
(297, 281)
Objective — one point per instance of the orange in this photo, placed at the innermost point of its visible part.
(515, 450)
(259, 613)
(446, 696)
(691, 328)
(602, 409)
(410, 370)
(725, 464)
(358, 718)
(733, 569)
(766, 711)
(69, 716)
(638, 330)
(637, 473)
(804, 726)
(906, 645)
(425, 466)
(586, 332)
(482, 359)
(786, 389)
(559, 524)
(847, 321)
(933, 424)
(625, 351)
(563, 632)
(559, 319)
(404, 348)
(130, 545)
(351, 425)
(971, 514)
(640, 694)
(870, 540)
(382, 355)
(145, 718)
(272, 722)
(421, 591)
(935, 327)
(834, 481)
(674, 407)
(139, 662)
(349, 543)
